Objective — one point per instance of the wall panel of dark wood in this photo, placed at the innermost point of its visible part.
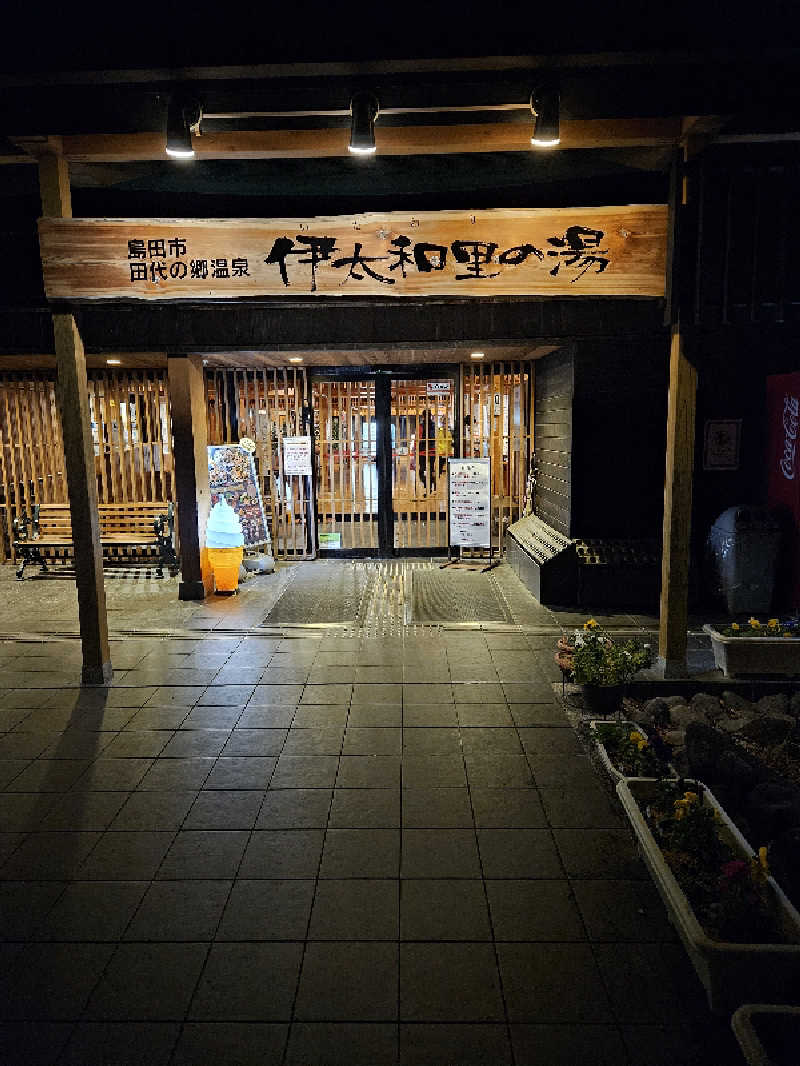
(552, 439)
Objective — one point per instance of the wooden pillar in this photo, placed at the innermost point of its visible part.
(672, 635)
(73, 403)
(187, 397)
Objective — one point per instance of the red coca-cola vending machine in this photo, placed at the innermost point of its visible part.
(783, 485)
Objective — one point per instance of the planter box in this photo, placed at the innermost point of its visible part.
(731, 973)
(605, 758)
(768, 1033)
(779, 656)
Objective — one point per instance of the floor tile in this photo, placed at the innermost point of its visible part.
(194, 742)
(277, 716)
(369, 771)
(84, 810)
(255, 742)
(52, 981)
(649, 981)
(248, 982)
(240, 772)
(622, 910)
(439, 853)
(313, 742)
(546, 740)
(365, 808)
(21, 812)
(598, 853)
(562, 770)
(49, 775)
(376, 694)
(498, 771)
(242, 1043)
(569, 808)
(128, 856)
(112, 775)
(507, 808)
(49, 856)
(375, 716)
(327, 716)
(204, 854)
(282, 853)
(433, 771)
(552, 983)
(226, 695)
(436, 808)
(342, 1044)
(355, 910)
(177, 775)
(92, 910)
(348, 981)
(527, 715)
(496, 740)
(518, 853)
(361, 853)
(484, 694)
(320, 694)
(468, 1045)
(566, 1045)
(361, 740)
(431, 740)
(305, 771)
(154, 810)
(484, 714)
(145, 981)
(138, 743)
(168, 717)
(179, 910)
(24, 906)
(429, 714)
(120, 1043)
(267, 910)
(534, 909)
(295, 808)
(449, 982)
(443, 910)
(202, 717)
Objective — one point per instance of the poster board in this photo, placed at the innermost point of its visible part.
(297, 455)
(469, 499)
(232, 474)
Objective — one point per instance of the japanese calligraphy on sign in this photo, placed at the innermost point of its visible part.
(610, 251)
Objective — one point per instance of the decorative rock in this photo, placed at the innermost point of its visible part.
(706, 705)
(768, 730)
(738, 705)
(732, 725)
(682, 715)
(656, 712)
(794, 705)
(674, 701)
(773, 808)
(735, 774)
(704, 748)
(776, 704)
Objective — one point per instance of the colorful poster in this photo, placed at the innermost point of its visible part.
(783, 477)
(232, 474)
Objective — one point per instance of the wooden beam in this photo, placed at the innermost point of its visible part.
(672, 634)
(390, 140)
(190, 438)
(73, 403)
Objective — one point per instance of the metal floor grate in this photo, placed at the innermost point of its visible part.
(456, 596)
(323, 593)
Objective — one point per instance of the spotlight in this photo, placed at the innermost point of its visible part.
(114, 362)
(295, 359)
(545, 108)
(183, 115)
(363, 112)
(476, 355)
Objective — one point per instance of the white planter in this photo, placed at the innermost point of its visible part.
(731, 973)
(605, 758)
(779, 656)
(745, 1025)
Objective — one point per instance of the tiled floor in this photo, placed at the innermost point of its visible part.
(319, 848)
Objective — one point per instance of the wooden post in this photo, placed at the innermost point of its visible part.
(73, 403)
(672, 636)
(187, 397)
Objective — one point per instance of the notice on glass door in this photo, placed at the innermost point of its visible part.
(297, 455)
(470, 499)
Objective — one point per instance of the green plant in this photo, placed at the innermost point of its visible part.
(630, 751)
(728, 893)
(599, 660)
(773, 627)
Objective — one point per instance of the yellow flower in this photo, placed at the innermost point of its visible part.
(641, 744)
(762, 858)
(755, 624)
(690, 797)
(773, 623)
(787, 633)
(590, 624)
(734, 625)
(636, 736)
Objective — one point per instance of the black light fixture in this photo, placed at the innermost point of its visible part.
(183, 115)
(363, 112)
(545, 104)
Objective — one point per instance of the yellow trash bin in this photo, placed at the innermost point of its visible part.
(225, 563)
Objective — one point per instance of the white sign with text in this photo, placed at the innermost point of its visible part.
(297, 455)
(470, 502)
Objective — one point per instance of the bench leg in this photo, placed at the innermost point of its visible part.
(21, 568)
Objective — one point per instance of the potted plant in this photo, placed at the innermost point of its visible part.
(626, 751)
(754, 647)
(602, 667)
(741, 932)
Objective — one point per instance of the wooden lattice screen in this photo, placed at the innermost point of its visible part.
(496, 424)
(129, 410)
(266, 405)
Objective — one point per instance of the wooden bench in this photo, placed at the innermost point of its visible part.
(123, 526)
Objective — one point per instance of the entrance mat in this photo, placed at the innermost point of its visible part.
(456, 596)
(319, 594)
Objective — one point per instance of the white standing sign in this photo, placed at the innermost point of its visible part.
(297, 455)
(470, 501)
(439, 388)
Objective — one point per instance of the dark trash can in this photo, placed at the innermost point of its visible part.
(744, 544)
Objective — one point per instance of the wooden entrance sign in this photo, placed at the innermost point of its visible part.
(582, 251)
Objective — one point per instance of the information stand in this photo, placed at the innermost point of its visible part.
(469, 508)
(232, 475)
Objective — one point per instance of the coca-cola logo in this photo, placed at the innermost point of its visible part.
(791, 419)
